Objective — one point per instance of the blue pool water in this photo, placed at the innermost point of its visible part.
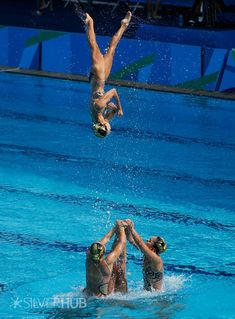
(169, 165)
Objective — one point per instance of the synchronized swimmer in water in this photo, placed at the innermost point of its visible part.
(101, 108)
(107, 274)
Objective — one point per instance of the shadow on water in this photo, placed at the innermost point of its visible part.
(159, 306)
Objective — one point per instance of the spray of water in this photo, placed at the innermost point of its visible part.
(82, 15)
(79, 11)
(172, 284)
(136, 19)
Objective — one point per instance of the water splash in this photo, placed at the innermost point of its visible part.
(135, 19)
(159, 304)
(172, 284)
(79, 12)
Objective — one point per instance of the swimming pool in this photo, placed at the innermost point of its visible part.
(169, 165)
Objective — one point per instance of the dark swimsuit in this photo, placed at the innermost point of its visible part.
(150, 277)
(103, 289)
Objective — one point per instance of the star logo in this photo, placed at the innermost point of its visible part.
(16, 303)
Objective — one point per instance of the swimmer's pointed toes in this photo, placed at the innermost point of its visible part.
(87, 18)
(129, 14)
(127, 19)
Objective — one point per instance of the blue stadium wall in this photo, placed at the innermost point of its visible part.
(153, 62)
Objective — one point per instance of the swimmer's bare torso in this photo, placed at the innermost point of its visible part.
(152, 273)
(153, 265)
(98, 277)
(99, 271)
(102, 110)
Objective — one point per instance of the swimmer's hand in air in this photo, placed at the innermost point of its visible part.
(129, 223)
(129, 227)
(120, 223)
(120, 112)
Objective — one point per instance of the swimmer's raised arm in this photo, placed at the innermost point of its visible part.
(108, 96)
(108, 236)
(129, 236)
(118, 244)
(141, 244)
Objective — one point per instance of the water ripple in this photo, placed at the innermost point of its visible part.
(172, 138)
(38, 244)
(136, 171)
(129, 132)
(150, 213)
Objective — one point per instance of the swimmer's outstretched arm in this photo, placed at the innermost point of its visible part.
(129, 236)
(107, 97)
(108, 236)
(141, 244)
(119, 243)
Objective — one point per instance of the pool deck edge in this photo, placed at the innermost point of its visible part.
(138, 85)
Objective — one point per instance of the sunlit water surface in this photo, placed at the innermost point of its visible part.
(169, 165)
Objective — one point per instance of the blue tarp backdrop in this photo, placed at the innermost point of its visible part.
(147, 61)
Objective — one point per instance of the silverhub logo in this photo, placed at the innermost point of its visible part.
(61, 302)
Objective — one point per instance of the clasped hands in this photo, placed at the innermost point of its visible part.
(126, 223)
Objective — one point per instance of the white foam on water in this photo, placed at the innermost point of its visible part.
(171, 285)
(174, 283)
